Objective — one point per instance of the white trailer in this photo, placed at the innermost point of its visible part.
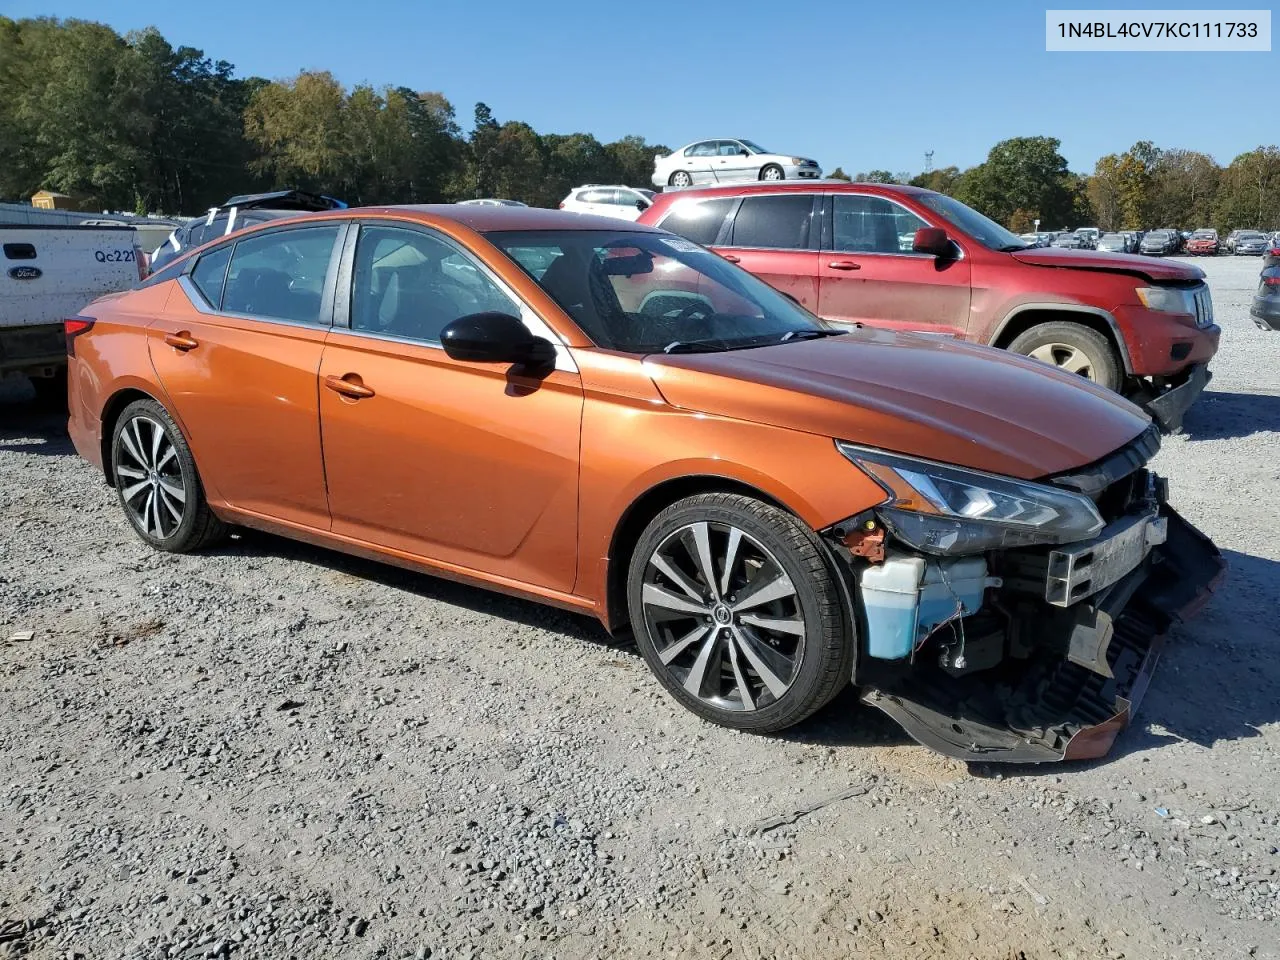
(47, 273)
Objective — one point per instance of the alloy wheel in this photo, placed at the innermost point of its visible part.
(150, 478)
(724, 616)
(772, 173)
(681, 179)
(1069, 358)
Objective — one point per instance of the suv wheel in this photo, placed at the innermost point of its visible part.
(737, 612)
(771, 171)
(157, 483)
(1074, 348)
(680, 179)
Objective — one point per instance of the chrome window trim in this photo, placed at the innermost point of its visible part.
(534, 323)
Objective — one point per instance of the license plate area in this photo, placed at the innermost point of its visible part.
(1079, 570)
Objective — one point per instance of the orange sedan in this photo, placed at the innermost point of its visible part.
(611, 419)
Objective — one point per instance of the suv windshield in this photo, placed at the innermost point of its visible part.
(983, 229)
(654, 293)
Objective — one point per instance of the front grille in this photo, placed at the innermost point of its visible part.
(1204, 307)
(1096, 479)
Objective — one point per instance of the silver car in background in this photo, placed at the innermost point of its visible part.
(726, 160)
(1250, 243)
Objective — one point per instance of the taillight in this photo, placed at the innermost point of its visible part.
(72, 327)
(561, 204)
(1271, 281)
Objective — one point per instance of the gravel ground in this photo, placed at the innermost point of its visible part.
(275, 751)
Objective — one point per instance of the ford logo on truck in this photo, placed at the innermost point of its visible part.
(25, 273)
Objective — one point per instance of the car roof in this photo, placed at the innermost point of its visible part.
(285, 200)
(796, 186)
(487, 219)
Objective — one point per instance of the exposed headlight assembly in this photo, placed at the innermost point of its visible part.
(1167, 299)
(945, 510)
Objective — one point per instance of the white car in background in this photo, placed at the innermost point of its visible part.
(723, 161)
(491, 202)
(625, 203)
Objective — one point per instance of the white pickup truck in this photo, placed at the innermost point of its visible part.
(47, 273)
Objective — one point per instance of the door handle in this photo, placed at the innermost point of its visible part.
(731, 258)
(844, 265)
(352, 388)
(181, 341)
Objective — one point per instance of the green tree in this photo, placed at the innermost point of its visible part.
(1249, 196)
(839, 174)
(942, 180)
(1025, 173)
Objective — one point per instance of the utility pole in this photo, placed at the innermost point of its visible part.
(928, 161)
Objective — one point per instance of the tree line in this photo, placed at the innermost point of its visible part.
(131, 122)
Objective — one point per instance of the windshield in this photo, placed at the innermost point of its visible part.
(1251, 236)
(983, 229)
(655, 293)
(754, 147)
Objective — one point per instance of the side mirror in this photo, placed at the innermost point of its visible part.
(494, 338)
(744, 153)
(642, 205)
(933, 241)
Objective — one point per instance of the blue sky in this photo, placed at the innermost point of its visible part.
(862, 87)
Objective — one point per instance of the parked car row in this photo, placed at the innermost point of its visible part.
(607, 417)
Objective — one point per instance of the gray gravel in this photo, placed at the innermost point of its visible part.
(274, 751)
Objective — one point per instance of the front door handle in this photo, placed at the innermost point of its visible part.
(731, 258)
(349, 386)
(844, 265)
(181, 341)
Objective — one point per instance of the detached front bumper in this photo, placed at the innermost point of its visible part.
(1065, 680)
(1170, 407)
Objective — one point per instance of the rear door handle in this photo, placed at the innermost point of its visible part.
(349, 386)
(181, 341)
(844, 265)
(731, 258)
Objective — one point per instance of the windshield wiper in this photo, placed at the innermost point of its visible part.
(695, 346)
(1010, 247)
(791, 335)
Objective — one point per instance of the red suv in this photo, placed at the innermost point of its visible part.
(911, 259)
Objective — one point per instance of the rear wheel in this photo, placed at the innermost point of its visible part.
(771, 171)
(1074, 348)
(680, 179)
(157, 483)
(737, 612)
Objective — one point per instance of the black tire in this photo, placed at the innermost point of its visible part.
(680, 178)
(1103, 364)
(51, 392)
(821, 657)
(144, 491)
(768, 167)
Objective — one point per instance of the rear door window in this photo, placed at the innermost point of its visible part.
(698, 220)
(281, 275)
(774, 222)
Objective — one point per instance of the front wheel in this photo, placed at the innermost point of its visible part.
(157, 483)
(1071, 347)
(771, 171)
(738, 613)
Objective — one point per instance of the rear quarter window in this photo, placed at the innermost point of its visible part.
(210, 273)
(697, 220)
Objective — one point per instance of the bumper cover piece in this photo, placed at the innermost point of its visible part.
(1073, 706)
(1169, 408)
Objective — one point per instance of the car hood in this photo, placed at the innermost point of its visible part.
(911, 393)
(1111, 262)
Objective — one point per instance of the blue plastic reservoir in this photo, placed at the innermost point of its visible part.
(907, 598)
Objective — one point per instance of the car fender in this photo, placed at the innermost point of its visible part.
(1067, 307)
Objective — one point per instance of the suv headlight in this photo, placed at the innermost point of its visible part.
(1167, 299)
(941, 509)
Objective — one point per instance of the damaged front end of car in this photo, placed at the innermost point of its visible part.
(1015, 621)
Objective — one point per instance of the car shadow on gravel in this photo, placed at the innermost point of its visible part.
(252, 543)
(31, 428)
(1222, 416)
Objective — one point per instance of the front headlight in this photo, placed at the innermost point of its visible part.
(799, 160)
(1167, 299)
(942, 509)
